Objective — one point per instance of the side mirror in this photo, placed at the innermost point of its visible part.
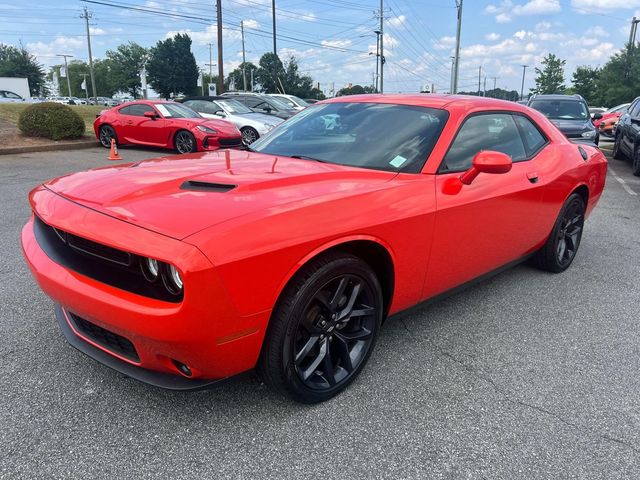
(219, 113)
(151, 115)
(267, 108)
(487, 161)
(597, 116)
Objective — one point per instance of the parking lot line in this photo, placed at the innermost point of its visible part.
(621, 181)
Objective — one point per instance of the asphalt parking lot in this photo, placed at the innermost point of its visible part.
(526, 375)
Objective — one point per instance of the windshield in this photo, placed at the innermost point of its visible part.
(562, 109)
(234, 107)
(175, 110)
(618, 109)
(368, 135)
(278, 103)
(298, 101)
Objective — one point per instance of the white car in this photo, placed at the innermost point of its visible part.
(251, 124)
(291, 100)
(9, 97)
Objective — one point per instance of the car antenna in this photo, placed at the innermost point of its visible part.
(273, 167)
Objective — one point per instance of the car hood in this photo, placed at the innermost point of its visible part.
(572, 126)
(180, 195)
(262, 118)
(221, 126)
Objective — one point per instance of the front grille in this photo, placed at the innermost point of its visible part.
(230, 142)
(103, 337)
(105, 264)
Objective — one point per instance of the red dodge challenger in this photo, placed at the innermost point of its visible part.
(165, 125)
(183, 271)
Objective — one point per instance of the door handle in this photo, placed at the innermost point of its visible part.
(533, 177)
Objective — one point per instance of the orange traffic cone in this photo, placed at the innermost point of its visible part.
(114, 155)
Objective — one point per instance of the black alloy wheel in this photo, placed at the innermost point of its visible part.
(185, 142)
(562, 245)
(249, 135)
(617, 151)
(323, 330)
(635, 166)
(106, 134)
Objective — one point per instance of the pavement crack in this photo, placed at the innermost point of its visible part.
(508, 396)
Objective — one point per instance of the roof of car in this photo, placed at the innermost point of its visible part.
(205, 97)
(557, 96)
(431, 100)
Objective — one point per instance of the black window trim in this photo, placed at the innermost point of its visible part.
(528, 158)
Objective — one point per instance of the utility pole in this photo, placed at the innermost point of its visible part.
(632, 33)
(494, 82)
(244, 75)
(479, 75)
(252, 79)
(453, 66)
(273, 13)
(377, 32)
(87, 15)
(211, 64)
(220, 65)
(66, 70)
(86, 87)
(524, 69)
(484, 89)
(381, 46)
(457, 57)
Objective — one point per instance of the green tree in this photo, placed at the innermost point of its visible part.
(18, 62)
(585, 82)
(124, 67)
(107, 84)
(270, 73)
(355, 90)
(550, 79)
(75, 70)
(172, 68)
(235, 77)
(619, 79)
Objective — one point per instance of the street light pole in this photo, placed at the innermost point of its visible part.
(377, 32)
(66, 70)
(524, 69)
(457, 58)
(87, 15)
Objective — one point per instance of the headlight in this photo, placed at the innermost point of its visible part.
(204, 129)
(150, 269)
(589, 134)
(269, 127)
(172, 279)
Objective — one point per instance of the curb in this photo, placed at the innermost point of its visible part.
(49, 147)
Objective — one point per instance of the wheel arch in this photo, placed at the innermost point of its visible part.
(583, 191)
(373, 251)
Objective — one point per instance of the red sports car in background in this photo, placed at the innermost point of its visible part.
(166, 125)
(613, 113)
(288, 257)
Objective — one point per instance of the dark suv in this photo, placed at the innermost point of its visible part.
(627, 143)
(570, 114)
(263, 104)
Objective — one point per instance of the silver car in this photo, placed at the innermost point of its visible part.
(251, 124)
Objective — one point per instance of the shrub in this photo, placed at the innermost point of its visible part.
(51, 120)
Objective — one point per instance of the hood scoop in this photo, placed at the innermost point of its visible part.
(198, 186)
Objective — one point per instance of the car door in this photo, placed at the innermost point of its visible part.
(494, 220)
(140, 129)
(630, 127)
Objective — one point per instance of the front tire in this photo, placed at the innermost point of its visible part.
(184, 142)
(105, 134)
(249, 135)
(323, 329)
(561, 247)
(617, 150)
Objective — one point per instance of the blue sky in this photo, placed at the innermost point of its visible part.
(332, 39)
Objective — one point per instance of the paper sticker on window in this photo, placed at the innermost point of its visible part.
(398, 161)
(163, 110)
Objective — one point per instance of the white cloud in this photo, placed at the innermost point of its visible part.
(250, 23)
(597, 5)
(336, 43)
(492, 37)
(506, 10)
(46, 53)
(596, 31)
(397, 22)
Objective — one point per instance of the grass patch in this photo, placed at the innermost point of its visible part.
(10, 112)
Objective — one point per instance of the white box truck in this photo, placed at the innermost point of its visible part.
(16, 85)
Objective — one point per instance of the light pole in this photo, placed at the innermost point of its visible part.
(524, 69)
(66, 70)
(377, 32)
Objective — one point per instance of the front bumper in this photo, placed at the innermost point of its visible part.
(204, 331)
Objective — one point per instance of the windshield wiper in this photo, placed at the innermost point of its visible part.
(304, 157)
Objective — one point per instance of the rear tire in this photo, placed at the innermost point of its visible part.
(635, 161)
(105, 134)
(249, 135)
(323, 329)
(557, 254)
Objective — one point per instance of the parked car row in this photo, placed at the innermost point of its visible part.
(627, 136)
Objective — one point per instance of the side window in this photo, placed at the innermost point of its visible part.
(253, 102)
(531, 136)
(633, 110)
(208, 107)
(489, 131)
(126, 110)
